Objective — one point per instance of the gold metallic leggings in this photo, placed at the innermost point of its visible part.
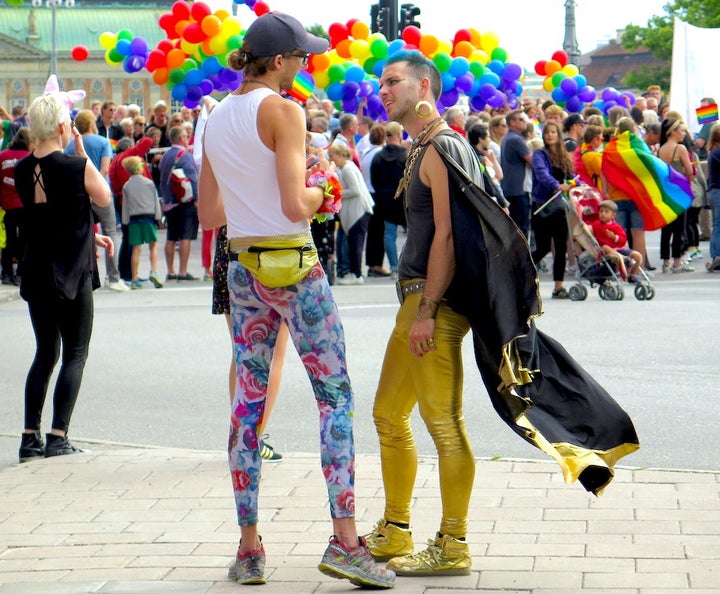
(435, 384)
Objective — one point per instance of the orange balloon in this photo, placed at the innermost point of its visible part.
(428, 44)
(463, 48)
(320, 61)
(175, 58)
(360, 30)
(160, 76)
(180, 27)
(206, 49)
(343, 49)
(551, 67)
(211, 25)
(475, 37)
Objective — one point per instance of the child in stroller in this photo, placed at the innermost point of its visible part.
(613, 241)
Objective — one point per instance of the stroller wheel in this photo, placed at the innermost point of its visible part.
(650, 293)
(640, 292)
(577, 293)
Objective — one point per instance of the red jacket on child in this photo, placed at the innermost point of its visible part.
(610, 234)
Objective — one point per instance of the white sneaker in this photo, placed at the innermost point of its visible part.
(118, 285)
(350, 279)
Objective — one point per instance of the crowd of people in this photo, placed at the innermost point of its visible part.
(267, 169)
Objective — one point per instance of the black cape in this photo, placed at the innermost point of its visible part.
(535, 386)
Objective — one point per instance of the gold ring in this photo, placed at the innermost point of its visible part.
(431, 341)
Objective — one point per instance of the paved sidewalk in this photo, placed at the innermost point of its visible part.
(135, 520)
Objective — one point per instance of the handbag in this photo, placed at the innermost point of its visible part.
(180, 184)
(554, 207)
(278, 262)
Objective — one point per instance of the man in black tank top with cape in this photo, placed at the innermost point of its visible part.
(466, 265)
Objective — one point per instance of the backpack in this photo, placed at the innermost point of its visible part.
(180, 183)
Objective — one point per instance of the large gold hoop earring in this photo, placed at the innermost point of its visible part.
(419, 107)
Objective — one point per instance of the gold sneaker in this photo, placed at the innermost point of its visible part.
(387, 541)
(444, 556)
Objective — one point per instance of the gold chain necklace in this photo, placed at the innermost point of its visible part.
(414, 153)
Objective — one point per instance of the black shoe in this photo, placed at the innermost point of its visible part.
(560, 294)
(379, 272)
(7, 280)
(31, 446)
(186, 277)
(58, 445)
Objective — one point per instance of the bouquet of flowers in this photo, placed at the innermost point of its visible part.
(332, 194)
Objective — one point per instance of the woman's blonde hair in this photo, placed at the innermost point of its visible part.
(341, 150)
(714, 139)
(46, 113)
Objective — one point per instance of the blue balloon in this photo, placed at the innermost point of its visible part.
(335, 91)
(448, 81)
(558, 95)
(395, 46)
(379, 67)
(459, 66)
(194, 77)
(490, 78)
(496, 66)
(179, 92)
(580, 80)
(123, 47)
(354, 74)
(211, 66)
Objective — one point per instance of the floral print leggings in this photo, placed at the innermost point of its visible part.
(317, 333)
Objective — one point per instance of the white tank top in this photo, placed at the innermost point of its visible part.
(245, 169)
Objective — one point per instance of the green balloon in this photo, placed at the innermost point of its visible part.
(115, 56)
(189, 64)
(223, 58)
(557, 78)
(369, 65)
(477, 69)
(177, 75)
(234, 42)
(336, 73)
(379, 49)
(499, 54)
(125, 34)
(442, 61)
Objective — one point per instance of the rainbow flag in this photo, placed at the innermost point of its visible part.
(660, 193)
(303, 86)
(707, 113)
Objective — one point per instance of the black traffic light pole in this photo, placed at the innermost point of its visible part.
(384, 18)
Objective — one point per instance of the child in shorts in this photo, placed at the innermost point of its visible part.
(141, 213)
(613, 241)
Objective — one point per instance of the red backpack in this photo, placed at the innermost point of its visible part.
(180, 183)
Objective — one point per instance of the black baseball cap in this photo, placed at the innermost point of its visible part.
(277, 33)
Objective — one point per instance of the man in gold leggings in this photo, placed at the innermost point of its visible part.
(423, 362)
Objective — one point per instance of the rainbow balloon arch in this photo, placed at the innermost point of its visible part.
(192, 63)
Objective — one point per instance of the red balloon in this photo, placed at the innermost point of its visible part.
(561, 57)
(80, 53)
(540, 67)
(462, 35)
(193, 33)
(165, 46)
(167, 23)
(156, 59)
(199, 10)
(261, 8)
(350, 24)
(411, 35)
(181, 10)
(338, 31)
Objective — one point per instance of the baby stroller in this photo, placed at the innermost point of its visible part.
(593, 265)
(324, 239)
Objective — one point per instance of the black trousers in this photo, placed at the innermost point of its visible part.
(356, 244)
(553, 228)
(58, 321)
(15, 247)
(375, 245)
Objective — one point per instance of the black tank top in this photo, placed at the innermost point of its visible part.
(60, 251)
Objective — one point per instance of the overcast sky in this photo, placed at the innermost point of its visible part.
(530, 30)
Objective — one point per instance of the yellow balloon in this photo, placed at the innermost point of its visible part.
(321, 79)
(360, 30)
(571, 70)
(189, 48)
(375, 36)
(108, 40)
(222, 14)
(479, 55)
(548, 84)
(335, 58)
(218, 44)
(444, 47)
(489, 41)
(359, 49)
(230, 26)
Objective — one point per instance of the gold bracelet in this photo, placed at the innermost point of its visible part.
(430, 308)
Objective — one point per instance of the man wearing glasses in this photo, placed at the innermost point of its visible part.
(253, 178)
(574, 127)
(515, 156)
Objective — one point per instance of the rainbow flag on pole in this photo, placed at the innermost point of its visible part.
(707, 113)
(660, 193)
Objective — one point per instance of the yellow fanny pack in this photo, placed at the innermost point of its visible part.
(278, 261)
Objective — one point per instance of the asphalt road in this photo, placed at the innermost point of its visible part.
(157, 371)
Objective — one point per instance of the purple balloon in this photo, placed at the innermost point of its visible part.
(350, 105)
(574, 105)
(194, 93)
(609, 104)
(497, 100)
(350, 90)
(374, 104)
(609, 94)
(207, 86)
(477, 103)
(513, 102)
(366, 88)
(139, 46)
(226, 75)
(510, 87)
(630, 98)
(464, 83)
(587, 94)
(487, 91)
(569, 86)
(450, 98)
(512, 72)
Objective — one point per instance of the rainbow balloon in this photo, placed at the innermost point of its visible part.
(660, 193)
(303, 86)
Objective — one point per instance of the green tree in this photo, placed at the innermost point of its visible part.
(657, 36)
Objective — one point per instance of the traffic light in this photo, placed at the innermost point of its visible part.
(375, 19)
(408, 13)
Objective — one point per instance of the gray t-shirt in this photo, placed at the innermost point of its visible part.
(513, 151)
